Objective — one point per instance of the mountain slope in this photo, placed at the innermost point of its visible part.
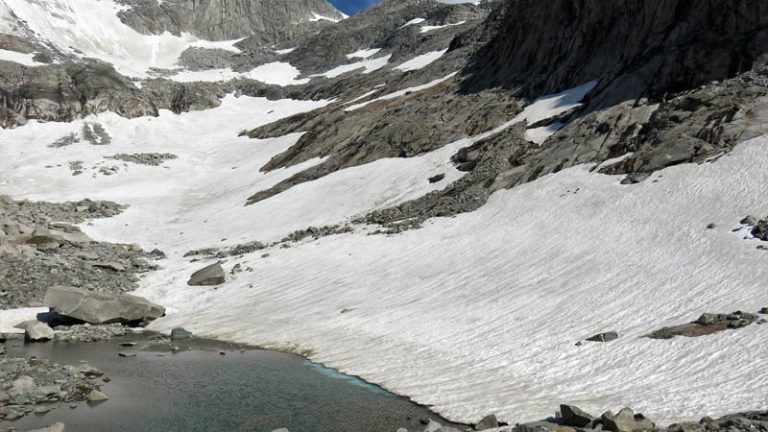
(442, 199)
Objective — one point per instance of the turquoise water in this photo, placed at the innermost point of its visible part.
(202, 390)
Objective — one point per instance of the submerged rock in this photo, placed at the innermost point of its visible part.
(208, 276)
(101, 308)
(96, 396)
(180, 333)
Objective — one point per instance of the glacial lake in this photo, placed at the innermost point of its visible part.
(200, 390)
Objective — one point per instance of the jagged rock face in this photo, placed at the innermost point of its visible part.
(271, 20)
(64, 92)
(634, 47)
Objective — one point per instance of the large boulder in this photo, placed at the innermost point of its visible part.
(101, 308)
(36, 331)
(208, 276)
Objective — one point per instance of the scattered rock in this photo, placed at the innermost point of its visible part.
(604, 337)
(749, 220)
(573, 416)
(208, 276)
(711, 226)
(101, 308)
(151, 159)
(706, 324)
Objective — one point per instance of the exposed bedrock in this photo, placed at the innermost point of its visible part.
(272, 21)
(635, 48)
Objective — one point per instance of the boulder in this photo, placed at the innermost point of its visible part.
(95, 397)
(36, 331)
(573, 416)
(604, 337)
(101, 308)
(180, 333)
(763, 311)
(488, 422)
(208, 276)
(626, 421)
(55, 427)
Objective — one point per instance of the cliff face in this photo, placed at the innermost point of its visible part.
(270, 20)
(635, 48)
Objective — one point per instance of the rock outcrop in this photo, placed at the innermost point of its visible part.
(634, 48)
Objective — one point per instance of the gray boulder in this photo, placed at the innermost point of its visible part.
(488, 422)
(208, 276)
(573, 416)
(626, 421)
(36, 331)
(101, 308)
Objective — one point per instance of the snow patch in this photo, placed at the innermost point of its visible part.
(426, 29)
(363, 53)
(277, 73)
(421, 61)
(367, 64)
(413, 22)
(20, 58)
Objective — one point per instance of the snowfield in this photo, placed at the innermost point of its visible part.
(472, 314)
